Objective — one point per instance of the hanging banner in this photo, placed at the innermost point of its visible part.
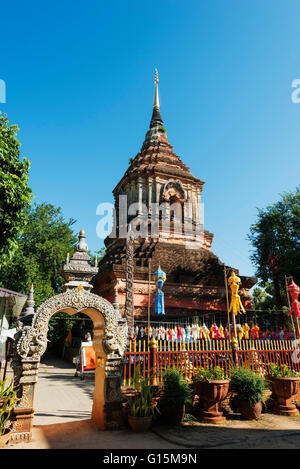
(88, 357)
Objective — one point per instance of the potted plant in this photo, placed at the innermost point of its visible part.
(140, 407)
(176, 394)
(212, 388)
(8, 399)
(250, 388)
(284, 384)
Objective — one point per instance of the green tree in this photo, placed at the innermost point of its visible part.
(15, 195)
(261, 300)
(277, 232)
(263, 303)
(41, 250)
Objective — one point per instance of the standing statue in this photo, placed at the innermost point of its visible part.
(129, 267)
(235, 304)
(160, 278)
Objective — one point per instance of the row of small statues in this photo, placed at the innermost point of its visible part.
(196, 332)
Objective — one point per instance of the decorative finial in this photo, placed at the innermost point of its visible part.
(29, 303)
(156, 128)
(156, 81)
(78, 271)
(81, 245)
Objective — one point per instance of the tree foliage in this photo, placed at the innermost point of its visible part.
(41, 250)
(15, 195)
(277, 231)
(263, 303)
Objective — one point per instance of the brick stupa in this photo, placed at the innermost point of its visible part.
(195, 276)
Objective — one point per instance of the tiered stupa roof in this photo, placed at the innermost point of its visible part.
(156, 157)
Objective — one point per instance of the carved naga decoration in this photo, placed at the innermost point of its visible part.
(129, 303)
(31, 341)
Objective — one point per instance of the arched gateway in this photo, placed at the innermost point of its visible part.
(110, 333)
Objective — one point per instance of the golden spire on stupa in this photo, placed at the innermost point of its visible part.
(156, 98)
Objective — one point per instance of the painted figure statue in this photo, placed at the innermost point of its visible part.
(236, 304)
(160, 278)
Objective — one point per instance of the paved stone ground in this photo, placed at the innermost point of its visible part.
(84, 435)
(269, 432)
(63, 406)
(60, 396)
(62, 421)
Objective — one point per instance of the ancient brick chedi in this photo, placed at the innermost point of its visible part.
(173, 237)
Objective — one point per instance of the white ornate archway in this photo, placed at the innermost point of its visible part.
(110, 340)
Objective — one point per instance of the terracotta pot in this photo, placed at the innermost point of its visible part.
(249, 411)
(210, 395)
(139, 424)
(171, 414)
(283, 390)
(5, 437)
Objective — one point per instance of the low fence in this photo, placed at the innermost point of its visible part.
(187, 356)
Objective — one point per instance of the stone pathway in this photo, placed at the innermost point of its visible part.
(60, 396)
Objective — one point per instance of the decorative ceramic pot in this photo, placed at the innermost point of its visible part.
(5, 437)
(249, 411)
(172, 415)
(139, 424)
(283, 390)
(210, 395)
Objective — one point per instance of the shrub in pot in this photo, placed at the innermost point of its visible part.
(250, 389)
(212, 388)
(176, 394)
(141, 409)
(8, 399)
(284, 384)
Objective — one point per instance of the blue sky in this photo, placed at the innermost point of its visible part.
(79, 78)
